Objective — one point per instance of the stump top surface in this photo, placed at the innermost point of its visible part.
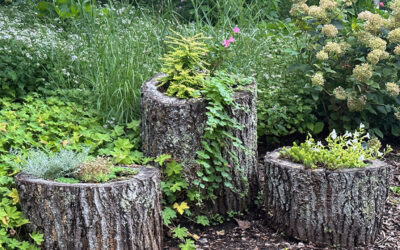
(143, 173)
(274, 158)
(150, 90)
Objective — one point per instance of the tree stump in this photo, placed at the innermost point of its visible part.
(176, 127)
(341, 208)
(123, 214)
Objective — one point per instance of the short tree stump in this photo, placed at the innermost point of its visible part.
(176, 127)
(123, 214)
(341, 208)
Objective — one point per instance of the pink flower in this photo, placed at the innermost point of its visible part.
(381, 4)
(228, 165)
(236, 30)
(226, 43)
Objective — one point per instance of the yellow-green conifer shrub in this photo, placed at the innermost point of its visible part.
(184, 65)
(353, 51)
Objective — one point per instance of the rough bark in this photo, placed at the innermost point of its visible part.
(118, 215)
(176, 126)
(341, 208)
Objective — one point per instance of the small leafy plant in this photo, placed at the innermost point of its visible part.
(68, 166)
(176, 199)
(351, 150)
(184, 65)
(52, 166)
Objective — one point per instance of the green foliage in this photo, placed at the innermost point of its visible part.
(168, 214)
(37, 238)
(51, 166)
(395, 189)
(11, 219)
(351, 150)
(202, 220)
(218, 12)
(67, 180)
(218, 91)
(51, 125)
(175, 193)
(65, 9)
(183, 65)
(180, 232)
(285, 105)
(352, 58)
(22, 68)
(189, 245)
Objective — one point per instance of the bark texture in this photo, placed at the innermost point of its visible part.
(118, 215)
(341, 208)
(176, 126)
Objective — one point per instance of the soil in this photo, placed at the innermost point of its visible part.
(251, 231)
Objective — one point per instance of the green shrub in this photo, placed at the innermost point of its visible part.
(353, 63)
(185, 66)
(351, 150)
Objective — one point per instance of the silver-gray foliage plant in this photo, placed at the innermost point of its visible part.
(52, 166)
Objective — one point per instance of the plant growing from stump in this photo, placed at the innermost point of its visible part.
(184, 65)
(351, 150)
(188, 77)
(69, 166)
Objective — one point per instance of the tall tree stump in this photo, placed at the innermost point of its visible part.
(339, 207)
(176, 127)
(123, 214)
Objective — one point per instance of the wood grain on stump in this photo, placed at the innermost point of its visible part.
(176, 127)
(117, 215)
(342, 208)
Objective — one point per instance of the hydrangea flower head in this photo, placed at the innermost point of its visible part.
(392, 88)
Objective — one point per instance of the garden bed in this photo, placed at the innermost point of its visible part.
(259, 236)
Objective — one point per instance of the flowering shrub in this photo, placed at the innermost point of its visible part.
(351, 150)
(29, 52)
(354, 59)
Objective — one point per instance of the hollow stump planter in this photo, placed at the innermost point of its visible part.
(117, 215)
(176, 126)
(341, 208)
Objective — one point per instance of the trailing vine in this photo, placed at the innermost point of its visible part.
(216, 168)
(188, 77)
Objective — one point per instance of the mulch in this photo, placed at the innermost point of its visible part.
(255, 233)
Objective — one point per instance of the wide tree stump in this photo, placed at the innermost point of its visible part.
(123, 214)
(176, 127)
(341, 208)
